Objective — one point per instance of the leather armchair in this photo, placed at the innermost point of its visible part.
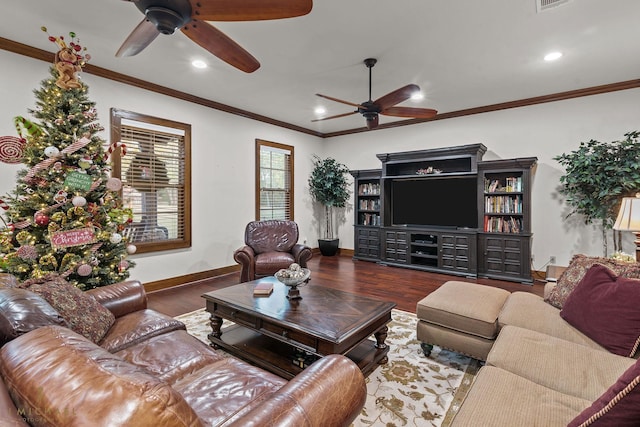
(269, 246)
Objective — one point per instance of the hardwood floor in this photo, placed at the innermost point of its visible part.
(403, 286)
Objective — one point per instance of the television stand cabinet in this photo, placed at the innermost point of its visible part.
(446, 210)
(449, 251)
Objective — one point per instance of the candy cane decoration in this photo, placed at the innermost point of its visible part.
(45, 163)
(76, 145)
(22, 224)
(4, 205)
(112, 147)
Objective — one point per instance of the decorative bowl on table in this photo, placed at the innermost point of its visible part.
(293, 277)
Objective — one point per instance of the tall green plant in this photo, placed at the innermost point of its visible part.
(598, 175)
(328, 185)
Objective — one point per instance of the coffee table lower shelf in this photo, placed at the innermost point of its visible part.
(278, 357)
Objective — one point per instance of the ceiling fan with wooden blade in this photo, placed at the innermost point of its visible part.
(385, 105)
(190, 16)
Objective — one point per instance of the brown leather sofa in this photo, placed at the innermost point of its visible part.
(270, 246)
(148, 371)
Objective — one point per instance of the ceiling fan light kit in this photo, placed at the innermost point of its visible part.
(166, 16)
(385, 105)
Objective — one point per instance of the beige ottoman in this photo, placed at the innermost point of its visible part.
(460, 316)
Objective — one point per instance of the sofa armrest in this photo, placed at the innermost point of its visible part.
(331, 392)
(548, 287)
(121, 298)
(11, 416)
(302, 254)
(245, 256)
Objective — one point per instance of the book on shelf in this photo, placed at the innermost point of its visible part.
(510, 184)
(263, 289)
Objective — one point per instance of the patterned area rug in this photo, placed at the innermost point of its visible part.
(411, 389)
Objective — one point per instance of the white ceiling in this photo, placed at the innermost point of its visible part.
(462, 53)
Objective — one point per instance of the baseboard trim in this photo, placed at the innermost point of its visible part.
(186, 279)
(341, 252)
(189, 278)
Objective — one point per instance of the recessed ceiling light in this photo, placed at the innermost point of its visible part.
(320, 110)
(199, 63)
(417, 96)
(552, 56)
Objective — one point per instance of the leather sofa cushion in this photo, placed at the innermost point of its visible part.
(271, 235)
(7, 280)
(225, 390)
(171, 356)
(22, 311)
(136, 327)
(58, 377)
(269, 262)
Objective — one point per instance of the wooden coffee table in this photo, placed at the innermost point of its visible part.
(284, 336)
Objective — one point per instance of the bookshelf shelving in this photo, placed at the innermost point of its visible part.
(367, 213)
(504, 209)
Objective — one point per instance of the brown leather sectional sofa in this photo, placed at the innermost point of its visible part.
(148, 371)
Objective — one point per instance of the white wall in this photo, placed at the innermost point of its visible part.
(223, 152)
(541, 131)
(223, 160)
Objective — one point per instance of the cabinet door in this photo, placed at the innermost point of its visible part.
(505, 256)
(457, 252)
(367, 243)
(395, 246)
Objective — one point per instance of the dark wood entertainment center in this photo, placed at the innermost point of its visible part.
(448, 211)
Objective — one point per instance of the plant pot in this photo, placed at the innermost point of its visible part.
(328, 247)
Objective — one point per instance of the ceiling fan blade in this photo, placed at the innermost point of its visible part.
(248, 10)
(339, 100)
(416, 113)
(220, 45)
(396, 97)
(335, 117)
(140, 37)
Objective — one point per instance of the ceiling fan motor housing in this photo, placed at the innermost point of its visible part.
(166, 15)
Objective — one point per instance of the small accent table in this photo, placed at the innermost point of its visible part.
(284, 336)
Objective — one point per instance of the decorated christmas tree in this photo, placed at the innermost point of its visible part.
(65, 216)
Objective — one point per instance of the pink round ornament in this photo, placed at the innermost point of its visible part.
(84, 270)
(114, 184)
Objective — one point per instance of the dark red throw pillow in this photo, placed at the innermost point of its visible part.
(604, 307)
(619, 406)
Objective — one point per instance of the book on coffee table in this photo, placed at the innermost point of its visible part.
(263, 289)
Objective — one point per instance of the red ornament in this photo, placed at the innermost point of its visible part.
(41, 219)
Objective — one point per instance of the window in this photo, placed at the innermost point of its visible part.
(274, 181)
(156, 175)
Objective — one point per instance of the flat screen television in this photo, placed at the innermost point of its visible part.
(438, 202)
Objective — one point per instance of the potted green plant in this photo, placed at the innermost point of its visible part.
(598, 175)
(328, 185)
